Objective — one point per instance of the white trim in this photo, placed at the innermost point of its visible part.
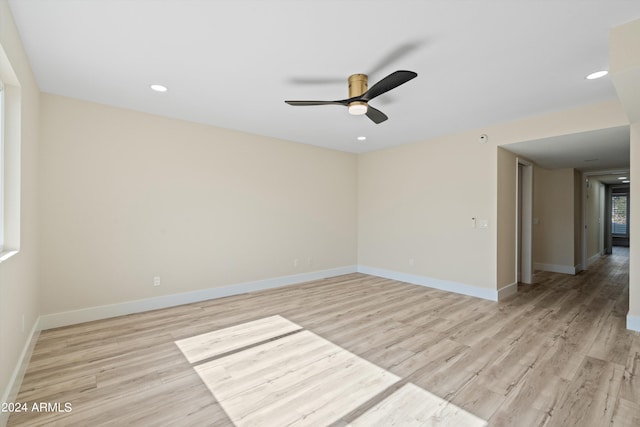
(5, 255)
(507, 291)
(556, 268)
(13, 387)
(633, 323)
(56, 320)
(445, 285)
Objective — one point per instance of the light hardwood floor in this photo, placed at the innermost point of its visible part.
(555, 354)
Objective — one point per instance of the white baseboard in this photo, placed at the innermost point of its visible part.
(11, 393)
(507, 291)
(633, 322)
(444, 285)
(555, 268)
(66, 318)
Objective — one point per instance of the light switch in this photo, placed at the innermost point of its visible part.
(483, 223)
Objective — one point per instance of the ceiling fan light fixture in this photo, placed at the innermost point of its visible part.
(358, 108)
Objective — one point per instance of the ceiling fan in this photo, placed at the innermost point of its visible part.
(359, 95)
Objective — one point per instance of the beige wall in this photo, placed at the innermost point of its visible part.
(128, 196)
(19, 274)
(553, 206)
(416, 202)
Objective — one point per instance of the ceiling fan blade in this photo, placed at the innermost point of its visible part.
(395, 55)
(392, 81)
(376, 115)
(315, 80)
(302, 103)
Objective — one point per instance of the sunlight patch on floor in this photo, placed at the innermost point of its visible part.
(411, 406)
(282, 374)
(215, 343)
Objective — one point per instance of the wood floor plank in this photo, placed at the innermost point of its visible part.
(591, 397)
(613, 342)
(630, 388)
(478, 400)
(626, 414)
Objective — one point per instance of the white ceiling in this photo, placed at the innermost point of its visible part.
(232, 63)
(599, 150)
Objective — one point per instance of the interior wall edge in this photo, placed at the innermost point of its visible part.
(72, 317)
(593, 258)
(507, 291)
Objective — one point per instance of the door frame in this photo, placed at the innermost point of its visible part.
(524, 221)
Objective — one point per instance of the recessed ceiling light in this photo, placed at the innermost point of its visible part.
(158, 88)
(597, 75)
(626, 182)
(362, 138)
(622, 177)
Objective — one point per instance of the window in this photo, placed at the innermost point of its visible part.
(619, 214)
(10, 141)
(2, 168)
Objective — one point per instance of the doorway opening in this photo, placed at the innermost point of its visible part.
(606, 213)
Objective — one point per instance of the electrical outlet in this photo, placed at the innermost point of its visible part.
(156, 281)
(296, 262)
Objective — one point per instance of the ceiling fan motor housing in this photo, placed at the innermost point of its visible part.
(358, 86)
